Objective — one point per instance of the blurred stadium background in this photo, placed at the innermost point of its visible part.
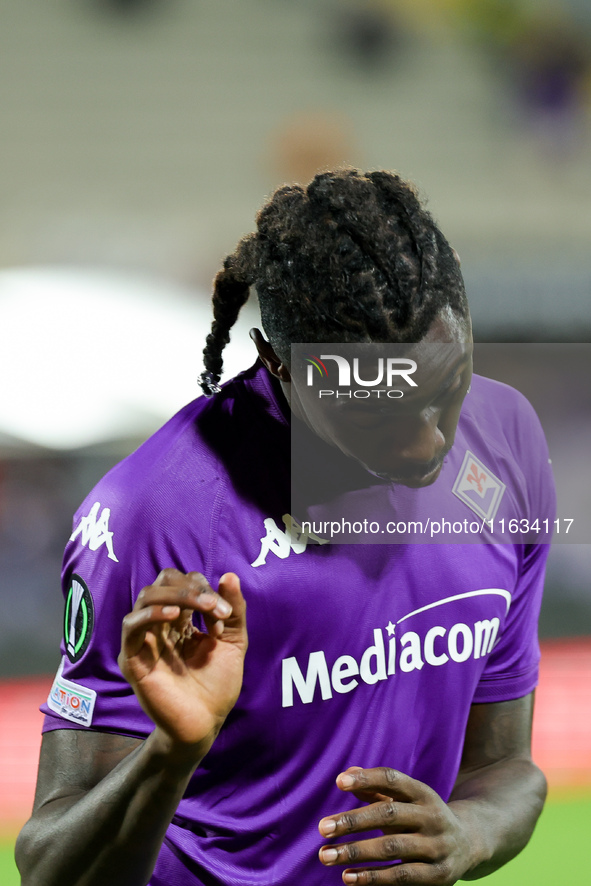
(138, 139)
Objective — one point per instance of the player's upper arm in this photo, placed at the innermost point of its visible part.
(73, 761)
(495, 732)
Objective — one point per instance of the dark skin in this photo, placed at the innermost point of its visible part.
(405, 440)
(115, 796)
(104, 801)
(497, 798)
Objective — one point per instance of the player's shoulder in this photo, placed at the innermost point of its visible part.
(171, 458)
(499, 396)
(191, 459)
(500, 426)
(501, 411)
(150, 508)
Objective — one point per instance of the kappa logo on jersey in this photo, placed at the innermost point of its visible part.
(71, 700)
(282, 542)
(95, 530)
(434, 647)
(478, 487)
(78, 619)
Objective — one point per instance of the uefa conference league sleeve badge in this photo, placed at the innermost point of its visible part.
(68, 699)
(78, 619)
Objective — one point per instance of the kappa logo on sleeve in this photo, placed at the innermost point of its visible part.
(71, 700)
(478, 487)
(95, 530)
(78, 618)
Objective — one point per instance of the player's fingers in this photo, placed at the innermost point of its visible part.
(169, 577)
(385, 814)
(194, 581)
(383, 780)
(235, 624)
(390, 847)
(195, 594)
(214, 626)
(208, 600)
(137, 624)
(369, 796)
(418, 873)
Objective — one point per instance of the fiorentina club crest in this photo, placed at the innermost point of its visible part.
(478, 487)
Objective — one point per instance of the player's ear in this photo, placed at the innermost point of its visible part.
(268, 356)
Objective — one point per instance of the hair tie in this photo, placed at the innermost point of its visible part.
(207, 380)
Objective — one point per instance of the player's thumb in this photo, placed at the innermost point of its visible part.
(235, 624)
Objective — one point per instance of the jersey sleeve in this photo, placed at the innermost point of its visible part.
(512, 667)
(511, 670)
(122, 538)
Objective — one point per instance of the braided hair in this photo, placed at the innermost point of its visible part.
(352, 257)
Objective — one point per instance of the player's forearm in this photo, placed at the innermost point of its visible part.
(113, 833)
(498, 806)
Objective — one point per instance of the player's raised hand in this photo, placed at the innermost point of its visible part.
(187, 681)
(420, 831)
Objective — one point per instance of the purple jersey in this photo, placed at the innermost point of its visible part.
(359, 655)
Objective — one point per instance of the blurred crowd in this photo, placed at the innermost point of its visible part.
(541, 52)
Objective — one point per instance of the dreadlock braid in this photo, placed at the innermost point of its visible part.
(230, 292)
(352, 257)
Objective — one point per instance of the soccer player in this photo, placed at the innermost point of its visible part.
(378, 730)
